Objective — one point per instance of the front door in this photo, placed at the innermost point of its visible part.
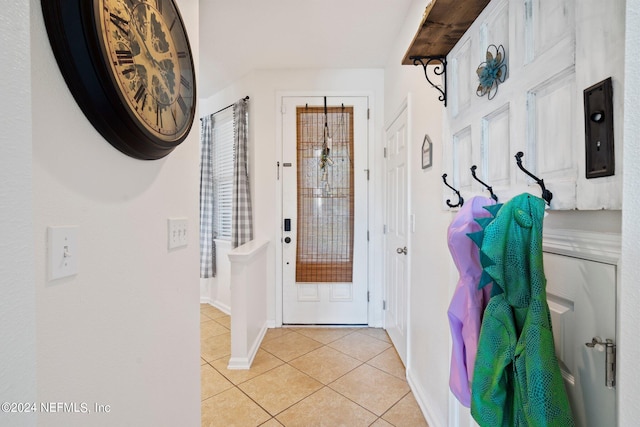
(324, 210)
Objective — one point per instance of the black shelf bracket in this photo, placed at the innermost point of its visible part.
(439, 69)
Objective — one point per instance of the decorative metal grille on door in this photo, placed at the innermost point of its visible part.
(325, 194)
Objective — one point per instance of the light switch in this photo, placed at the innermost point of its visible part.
(177, 232)
(63, 252)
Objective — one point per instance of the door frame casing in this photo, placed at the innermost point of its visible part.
(374, 309)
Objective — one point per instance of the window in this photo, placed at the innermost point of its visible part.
(223, 152)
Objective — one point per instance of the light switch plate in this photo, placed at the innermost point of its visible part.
(177, 232)
(63, 251)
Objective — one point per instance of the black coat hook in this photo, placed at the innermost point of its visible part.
(546, 194)
(460, 199)
(488, 187)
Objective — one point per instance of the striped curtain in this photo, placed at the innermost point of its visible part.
(242, 224)
(207, 235)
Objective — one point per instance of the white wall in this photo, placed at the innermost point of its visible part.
(428, 352)
(262, 87)
(217, 290)
(629, 315)
(432, 273)
(124, 330)
(17, 306)
(431, 266)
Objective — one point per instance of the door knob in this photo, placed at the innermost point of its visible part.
(287, 239)
(402, 250)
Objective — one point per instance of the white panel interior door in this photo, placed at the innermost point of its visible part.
(324, 303)
(582, 301)
(396, 259)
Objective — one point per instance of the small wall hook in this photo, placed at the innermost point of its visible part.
(488, 187)
(546, 194)
(460, 199)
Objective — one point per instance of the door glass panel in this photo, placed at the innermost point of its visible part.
(325, 195)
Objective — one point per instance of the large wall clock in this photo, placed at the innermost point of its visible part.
(129, 66)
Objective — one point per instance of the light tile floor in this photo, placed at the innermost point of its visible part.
(305, 377)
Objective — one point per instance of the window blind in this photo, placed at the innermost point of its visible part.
(325, 196)
(223, 159)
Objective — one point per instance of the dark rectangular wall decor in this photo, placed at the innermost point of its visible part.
(598, 121)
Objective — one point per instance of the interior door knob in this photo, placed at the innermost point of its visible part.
(287, 239)
(402, 250)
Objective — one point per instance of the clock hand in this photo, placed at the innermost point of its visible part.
(156, 62)
(142, 41)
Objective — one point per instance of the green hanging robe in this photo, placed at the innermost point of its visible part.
(517, 380)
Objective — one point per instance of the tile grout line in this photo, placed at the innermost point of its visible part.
(358, 404)
(274, 416)
(328, 386)
(392, 406)
(361, 363)
(340, 393)
(291, 366)
(304, 354)
(262, 373)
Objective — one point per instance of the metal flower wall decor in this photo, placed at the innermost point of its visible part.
(492, 72)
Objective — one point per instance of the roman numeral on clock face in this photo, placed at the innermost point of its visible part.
(124, 57)
(159, 110)
(185, 82)
(141, 95)
(120, 23)
(182, 104)
(175, 121)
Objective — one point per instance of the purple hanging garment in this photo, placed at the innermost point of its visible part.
(468, 303)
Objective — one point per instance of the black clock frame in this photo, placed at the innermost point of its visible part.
(74, 37)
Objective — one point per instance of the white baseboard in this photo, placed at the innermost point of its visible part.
(217, 304)
(420, 396)
(238, 363)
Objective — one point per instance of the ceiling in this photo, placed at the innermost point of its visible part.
(238, 36)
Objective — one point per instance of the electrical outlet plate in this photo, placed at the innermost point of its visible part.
(177, 232)
(63, 251)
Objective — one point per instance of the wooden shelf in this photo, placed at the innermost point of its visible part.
(443, 24)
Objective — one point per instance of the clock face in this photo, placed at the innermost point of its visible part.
(128, 65)
(149, 60)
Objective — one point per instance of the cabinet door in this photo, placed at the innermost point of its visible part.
(582, 301)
